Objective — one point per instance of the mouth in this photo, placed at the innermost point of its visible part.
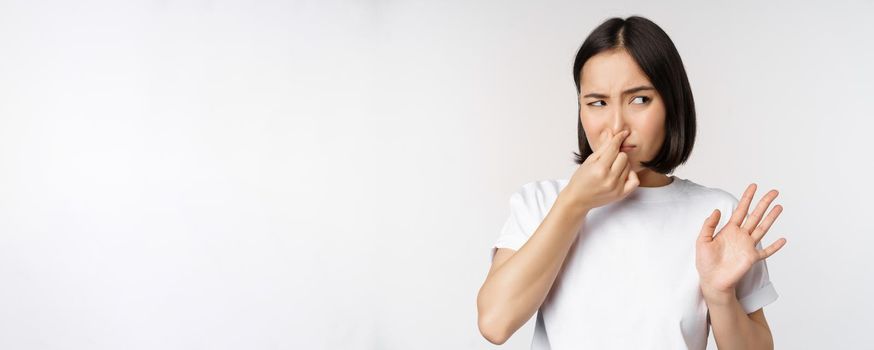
(626, 148)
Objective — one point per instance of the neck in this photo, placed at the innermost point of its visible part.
(650, 178)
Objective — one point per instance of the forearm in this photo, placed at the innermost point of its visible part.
(732, 327)
(512, 294)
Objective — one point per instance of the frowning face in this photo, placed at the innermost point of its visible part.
(616, 95)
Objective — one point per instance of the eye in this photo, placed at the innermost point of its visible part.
(592, 103)
(644, 98)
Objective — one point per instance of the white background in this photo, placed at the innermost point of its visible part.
(331, 175)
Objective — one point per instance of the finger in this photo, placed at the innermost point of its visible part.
(619, 164)
(771, 249)
(611, 149)
(706, 234)
(623, 177)
(632, 181)
(757, 214)
(620, 176)
(743, 206)
(760, 231)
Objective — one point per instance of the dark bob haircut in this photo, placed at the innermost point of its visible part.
(657, 57)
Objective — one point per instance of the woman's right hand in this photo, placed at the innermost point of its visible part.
(604, 177)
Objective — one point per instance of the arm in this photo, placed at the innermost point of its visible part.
(724, 259)
(517, 283)
(733, 328)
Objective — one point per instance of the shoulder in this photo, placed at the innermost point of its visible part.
(711, 195)
(538, 195)
(545, 187)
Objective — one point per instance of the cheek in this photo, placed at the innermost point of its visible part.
(654, 131)
(593, 122)
(652, 122)
(592, 135)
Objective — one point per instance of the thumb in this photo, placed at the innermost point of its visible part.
(709, 227)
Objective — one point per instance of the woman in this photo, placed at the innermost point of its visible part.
(622, 255)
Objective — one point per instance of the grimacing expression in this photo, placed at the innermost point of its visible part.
(616, 95)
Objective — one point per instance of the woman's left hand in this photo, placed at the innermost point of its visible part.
(724, 259)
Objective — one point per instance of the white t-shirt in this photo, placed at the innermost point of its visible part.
(629, 280)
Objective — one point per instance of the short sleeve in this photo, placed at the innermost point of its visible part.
(754, 290)
(523, 220)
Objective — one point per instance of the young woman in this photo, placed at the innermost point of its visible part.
(622, 255)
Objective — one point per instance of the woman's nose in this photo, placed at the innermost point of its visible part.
(618, 122)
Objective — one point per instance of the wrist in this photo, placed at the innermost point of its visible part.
(573, 206)
(713, 296)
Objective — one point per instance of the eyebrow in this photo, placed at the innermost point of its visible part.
(626, 92)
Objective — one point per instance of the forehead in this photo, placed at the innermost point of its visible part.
(611, 71)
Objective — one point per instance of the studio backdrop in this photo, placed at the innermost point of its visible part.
(332, 174)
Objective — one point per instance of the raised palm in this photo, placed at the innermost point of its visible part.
(724, 259)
